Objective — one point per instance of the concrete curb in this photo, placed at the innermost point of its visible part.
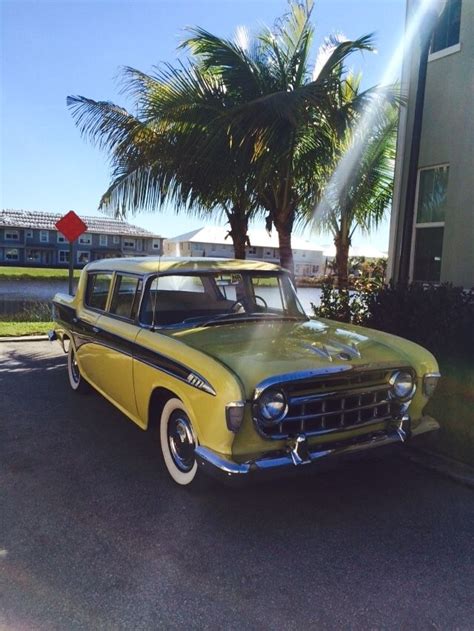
(25, 338)
(444, 465)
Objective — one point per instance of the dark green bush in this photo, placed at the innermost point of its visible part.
(27, 311)
(440, 318)
(342, 305)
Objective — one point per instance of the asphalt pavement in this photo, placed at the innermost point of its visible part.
(93, 535)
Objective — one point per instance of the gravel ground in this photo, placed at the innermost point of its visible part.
(94, 536)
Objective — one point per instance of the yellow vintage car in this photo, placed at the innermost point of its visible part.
(220, 356)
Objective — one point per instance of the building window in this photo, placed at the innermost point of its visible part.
(156, 244)
(61, 238)
(429, 224)
(12, 235)
(29, 234)
(103, 239)
(33, 256)
(446, 33)
(139, 245)
(83, 257)
(12, 254)
(252, 251)
(63, 256)
(44, 236)
(129, 243)
(85, 239)
(116, 239)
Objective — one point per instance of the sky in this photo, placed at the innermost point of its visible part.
(50, 50)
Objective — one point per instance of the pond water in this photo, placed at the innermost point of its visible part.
(306, 296)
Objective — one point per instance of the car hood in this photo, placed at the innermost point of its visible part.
(258, 350)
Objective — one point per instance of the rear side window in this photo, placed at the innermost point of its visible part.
(98, 286)
(126, 296)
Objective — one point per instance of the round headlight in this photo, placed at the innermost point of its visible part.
(272, 406)
(403, 385)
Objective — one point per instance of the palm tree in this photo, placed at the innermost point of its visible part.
(285, 109)
(172, 149)
(359, 182)
(243, 126)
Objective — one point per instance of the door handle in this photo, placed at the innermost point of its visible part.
(96, 329)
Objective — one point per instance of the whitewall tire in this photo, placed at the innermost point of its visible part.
(76, 380)
(178, 442)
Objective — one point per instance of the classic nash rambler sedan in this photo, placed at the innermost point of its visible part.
(220, 356)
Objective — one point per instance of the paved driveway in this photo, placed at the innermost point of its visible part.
(94, 536)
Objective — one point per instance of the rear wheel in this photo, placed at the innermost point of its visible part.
(76, 381)
(178, 442)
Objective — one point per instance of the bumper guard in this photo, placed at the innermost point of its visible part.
(299, 453)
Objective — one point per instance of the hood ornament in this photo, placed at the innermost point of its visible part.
(334, 348)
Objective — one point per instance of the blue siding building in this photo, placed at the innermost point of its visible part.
(31, 239)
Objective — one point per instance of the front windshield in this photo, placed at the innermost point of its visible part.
(209, 298)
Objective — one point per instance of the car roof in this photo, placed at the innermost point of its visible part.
(155, 264)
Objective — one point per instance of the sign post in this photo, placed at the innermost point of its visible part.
(71, 226)
(71, 265)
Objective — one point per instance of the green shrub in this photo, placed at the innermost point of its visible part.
(341, 304)
(440, 318)
(29, 312)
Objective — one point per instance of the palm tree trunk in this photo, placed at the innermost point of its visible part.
(239, 225)
(284, 242)
(240, 242)
(342, 243)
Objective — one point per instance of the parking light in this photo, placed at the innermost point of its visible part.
(430, 381)
(234, 415)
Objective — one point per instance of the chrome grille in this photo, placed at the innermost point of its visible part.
(335, 403)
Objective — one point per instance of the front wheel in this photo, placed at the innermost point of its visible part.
(178, 442)
(76, 381)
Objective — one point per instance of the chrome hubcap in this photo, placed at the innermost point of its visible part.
(181, 441)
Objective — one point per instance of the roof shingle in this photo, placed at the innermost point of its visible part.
(46, 221)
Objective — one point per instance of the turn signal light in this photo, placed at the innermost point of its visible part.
(234, 415)
(430, 381)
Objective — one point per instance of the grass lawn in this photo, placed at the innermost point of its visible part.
(35, 273)
(17, 329)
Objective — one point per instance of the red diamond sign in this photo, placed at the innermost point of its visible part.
(71, 226)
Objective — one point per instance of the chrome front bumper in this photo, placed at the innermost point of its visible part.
(299, 453)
